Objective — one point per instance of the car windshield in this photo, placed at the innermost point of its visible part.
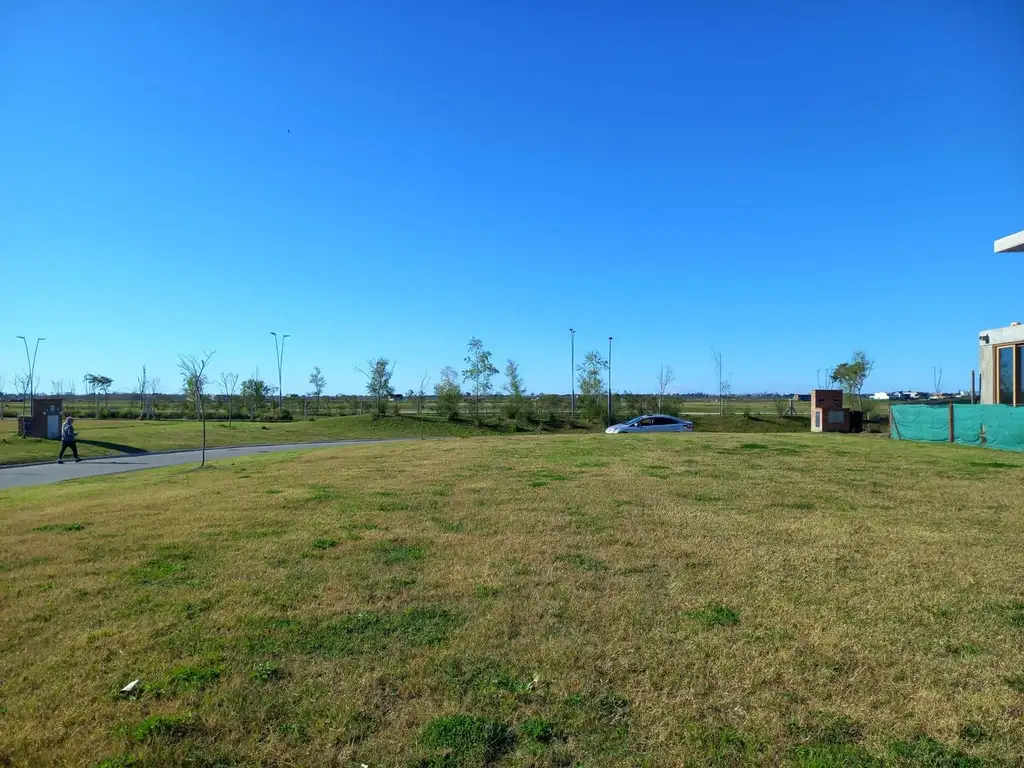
(633, 422)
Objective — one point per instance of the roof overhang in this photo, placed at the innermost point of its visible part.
(1010, 243)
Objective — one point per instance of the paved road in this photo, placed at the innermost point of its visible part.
(44, 474)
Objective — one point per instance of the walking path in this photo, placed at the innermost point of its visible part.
(17, 475)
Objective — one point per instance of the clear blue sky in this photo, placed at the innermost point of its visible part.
(785, 182)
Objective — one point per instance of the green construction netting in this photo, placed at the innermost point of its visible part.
(993, 426)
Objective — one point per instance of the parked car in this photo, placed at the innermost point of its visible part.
(656, 423)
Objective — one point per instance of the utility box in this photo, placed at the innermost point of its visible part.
(45, 421)
(827, 412)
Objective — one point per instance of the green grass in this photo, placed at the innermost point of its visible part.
(109, 437)
(816, 601)
(113, 437)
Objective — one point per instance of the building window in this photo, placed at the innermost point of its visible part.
(1009, 378)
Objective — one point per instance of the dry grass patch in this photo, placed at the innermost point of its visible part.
(678, 600)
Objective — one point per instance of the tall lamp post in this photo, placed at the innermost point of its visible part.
(609, 381)
(572, 374)
(31, 369)
(279, 352)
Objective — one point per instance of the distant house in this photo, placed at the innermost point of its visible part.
(880, 396)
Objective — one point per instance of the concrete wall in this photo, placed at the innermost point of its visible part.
(1013, 334)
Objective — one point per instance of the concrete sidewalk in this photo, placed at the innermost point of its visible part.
(16, 476)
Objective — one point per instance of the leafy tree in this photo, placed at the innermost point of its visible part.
(515, 389)
(318, 383)
(590, 378)
(97, 384)
(193, 371)
(480, 371)
(851, 375)
(255, 392)
(449, 393)
(378, 375)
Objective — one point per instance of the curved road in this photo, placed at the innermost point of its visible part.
(14, 476)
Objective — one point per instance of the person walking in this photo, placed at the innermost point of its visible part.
(67, 440)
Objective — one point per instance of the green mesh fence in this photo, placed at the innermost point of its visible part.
(993, 426)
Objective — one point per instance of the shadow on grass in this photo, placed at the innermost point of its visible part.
(131, 449)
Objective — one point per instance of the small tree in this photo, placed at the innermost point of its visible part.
(449, 393)
(2, 380)
(228, 387)
(378, 375)
(318, 384)
(665, 378)
(851, 375)
(590, 379)
(254, 393)
(193, 372)
(515, 389)
(421, 394)
(96, 384)
(140, 387)
(479, 371)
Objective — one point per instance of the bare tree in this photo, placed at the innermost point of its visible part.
(193, 372)
(723, 385)
(21, 387)
(141, 387)
(228, 387)
(154, 388)
(2, 380)
(666, 376)
(937, 379)
(57, 386)
(421, 393)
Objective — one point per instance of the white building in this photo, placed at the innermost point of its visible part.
(1001, 350)
(880, 396)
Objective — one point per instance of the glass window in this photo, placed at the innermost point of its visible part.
(1005, 375)
(664, 421)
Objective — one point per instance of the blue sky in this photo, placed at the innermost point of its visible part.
(784, 182)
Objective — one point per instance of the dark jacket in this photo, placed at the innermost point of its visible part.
(67, 433)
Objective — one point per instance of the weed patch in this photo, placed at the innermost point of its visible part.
(163, 727)
(394, 552)
(166, 569)
(464, 740)
(60, 527)
(584, 563)
(713, 615)
(926, 751)
(356, 633)
(325, 543)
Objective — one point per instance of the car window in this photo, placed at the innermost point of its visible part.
(645, 423)
(664, 421)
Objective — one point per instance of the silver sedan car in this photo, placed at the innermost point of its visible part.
(656, 423)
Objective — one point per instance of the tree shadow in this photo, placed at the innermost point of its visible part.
(130, 449)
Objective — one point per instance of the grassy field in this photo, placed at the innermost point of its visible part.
(108, 437)
(552, 601)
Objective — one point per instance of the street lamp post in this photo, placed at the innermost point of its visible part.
(572, 374)
(279, 353)
(609, 381)
(31, 369)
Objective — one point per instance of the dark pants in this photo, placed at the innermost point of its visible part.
(64, 445)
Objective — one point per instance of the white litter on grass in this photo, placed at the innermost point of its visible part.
(130, 687)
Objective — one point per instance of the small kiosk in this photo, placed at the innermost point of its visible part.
(45, 420)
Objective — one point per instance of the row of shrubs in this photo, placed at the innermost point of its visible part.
(124, 413)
